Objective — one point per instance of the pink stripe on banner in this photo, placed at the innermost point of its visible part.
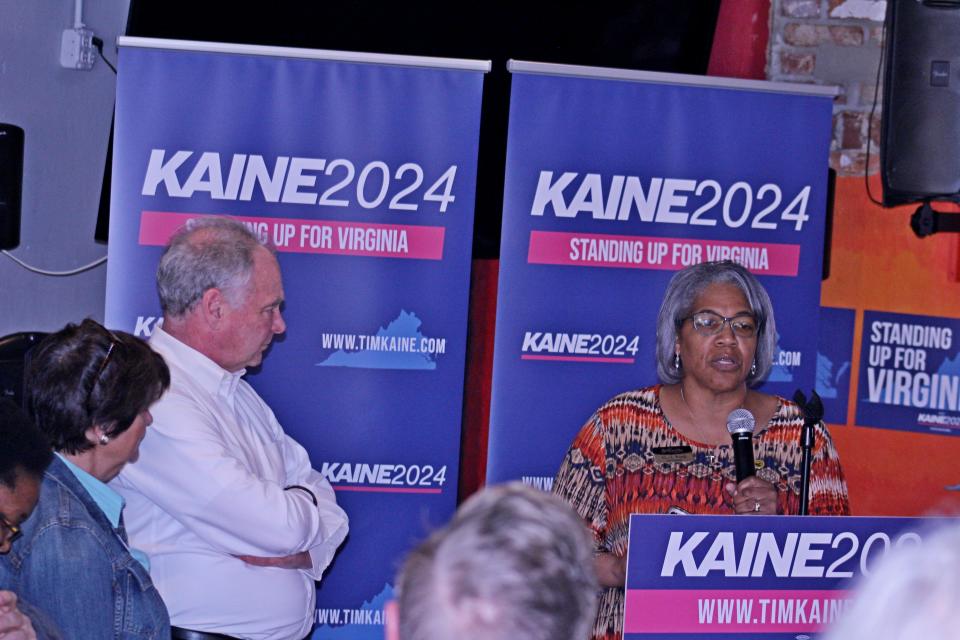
(731, 611)
(386, 489)
(292, 235)
(642, 252)
(578, 359)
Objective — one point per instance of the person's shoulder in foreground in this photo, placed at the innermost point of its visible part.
(911, 593)
(514, 563)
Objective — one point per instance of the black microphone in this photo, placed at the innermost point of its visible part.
(740, 424)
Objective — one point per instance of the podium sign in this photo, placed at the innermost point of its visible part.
(750, 576)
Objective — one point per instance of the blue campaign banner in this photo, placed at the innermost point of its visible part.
(909, 373)
(750, 577)
(613, 184)
(834, 359)
(362, 174)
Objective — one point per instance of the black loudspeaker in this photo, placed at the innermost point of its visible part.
(920, 132)
(14, 358)
(11, 178)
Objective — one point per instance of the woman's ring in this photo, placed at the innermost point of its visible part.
(756, 506)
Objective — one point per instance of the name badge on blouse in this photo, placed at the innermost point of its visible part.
(667, 455)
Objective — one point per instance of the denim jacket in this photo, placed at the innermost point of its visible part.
(72, 565)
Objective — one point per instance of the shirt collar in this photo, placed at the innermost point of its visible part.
(109, 501)
(202, 370)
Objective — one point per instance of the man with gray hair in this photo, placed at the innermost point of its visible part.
(515, 563)
(236, 523)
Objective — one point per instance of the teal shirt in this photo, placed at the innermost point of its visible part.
(109, 501)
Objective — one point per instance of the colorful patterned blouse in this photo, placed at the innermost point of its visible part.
(612, 470)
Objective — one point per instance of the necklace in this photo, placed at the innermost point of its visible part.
(693, 419)
(689, 410)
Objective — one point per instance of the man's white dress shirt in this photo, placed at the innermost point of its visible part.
(209, 486)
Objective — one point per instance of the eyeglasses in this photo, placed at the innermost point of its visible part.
(13, 531)
(708, 323)
(103, 365)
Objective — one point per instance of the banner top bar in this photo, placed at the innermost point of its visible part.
(605, 73)
(313, 54)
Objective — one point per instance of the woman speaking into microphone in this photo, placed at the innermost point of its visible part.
(667, 448)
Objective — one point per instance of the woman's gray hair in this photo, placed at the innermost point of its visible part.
(515, 563)
(204, 254)
(911, 593)
(682, 292)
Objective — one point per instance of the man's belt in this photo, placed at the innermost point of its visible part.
(179, 633)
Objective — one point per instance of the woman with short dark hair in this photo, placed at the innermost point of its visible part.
(666, 448)
(89, 390)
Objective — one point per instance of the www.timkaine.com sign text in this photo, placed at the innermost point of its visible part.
(756, 577)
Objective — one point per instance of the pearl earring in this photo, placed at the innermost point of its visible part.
(753, 368)
(676, 360)
(104, 439)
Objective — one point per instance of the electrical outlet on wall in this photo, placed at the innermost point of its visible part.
(76, 49)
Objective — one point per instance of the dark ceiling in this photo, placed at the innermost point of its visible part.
(653, 35)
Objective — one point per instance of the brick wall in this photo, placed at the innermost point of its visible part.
(834, 42)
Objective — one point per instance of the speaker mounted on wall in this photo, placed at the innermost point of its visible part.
(11, 179)
(920, 127)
